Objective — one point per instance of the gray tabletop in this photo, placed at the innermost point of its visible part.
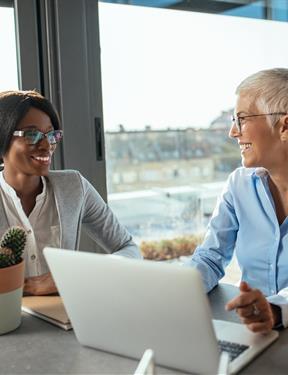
(38, 347)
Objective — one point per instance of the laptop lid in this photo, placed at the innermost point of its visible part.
(126, 305)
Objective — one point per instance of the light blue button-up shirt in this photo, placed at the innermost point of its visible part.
(245, 221)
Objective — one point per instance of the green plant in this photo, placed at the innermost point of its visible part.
(12, 246)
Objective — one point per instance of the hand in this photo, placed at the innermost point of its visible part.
(253, 309)
(40, 285)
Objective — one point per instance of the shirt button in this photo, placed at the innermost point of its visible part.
(29, 231)
(33, 257)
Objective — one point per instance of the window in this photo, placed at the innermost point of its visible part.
(168, 79)
(8, 61)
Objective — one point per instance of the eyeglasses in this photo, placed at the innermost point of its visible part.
(34, 136)
(238, 120)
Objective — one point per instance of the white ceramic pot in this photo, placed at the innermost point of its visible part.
(11, 290)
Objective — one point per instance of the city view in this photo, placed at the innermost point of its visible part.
(170, 178)
(172, 157)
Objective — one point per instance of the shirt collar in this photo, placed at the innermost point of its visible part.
(12, 193)
(261, 172)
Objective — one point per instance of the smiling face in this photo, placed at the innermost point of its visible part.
(259, 142)
(30, 160)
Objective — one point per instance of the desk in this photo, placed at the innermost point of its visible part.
(40, 348)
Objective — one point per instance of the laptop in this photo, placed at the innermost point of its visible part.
(126, 306)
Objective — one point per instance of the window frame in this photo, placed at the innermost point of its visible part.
(63, 63)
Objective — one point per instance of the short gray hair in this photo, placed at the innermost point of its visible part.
(269, 89)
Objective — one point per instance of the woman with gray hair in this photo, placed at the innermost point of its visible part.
(251, 216)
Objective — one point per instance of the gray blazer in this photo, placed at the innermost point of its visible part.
(78, 203)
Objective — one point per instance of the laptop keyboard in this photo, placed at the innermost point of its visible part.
(232, 348)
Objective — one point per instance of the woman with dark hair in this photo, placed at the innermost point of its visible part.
(51, 206)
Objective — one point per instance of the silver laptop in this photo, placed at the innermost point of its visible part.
(126, 305)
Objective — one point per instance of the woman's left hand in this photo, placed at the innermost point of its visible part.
(253, 309)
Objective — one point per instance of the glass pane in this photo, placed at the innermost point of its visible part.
(168, 89)
(263, 9)
(8, 60)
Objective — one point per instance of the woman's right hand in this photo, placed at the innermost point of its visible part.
(254, 310)
(40, 285)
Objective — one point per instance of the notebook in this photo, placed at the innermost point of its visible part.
(49, 308)
(126, 306)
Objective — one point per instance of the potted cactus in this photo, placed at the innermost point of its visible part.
(12, 245)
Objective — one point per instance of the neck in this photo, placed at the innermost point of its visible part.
(278, 184)
(280, 180)
(24, 185)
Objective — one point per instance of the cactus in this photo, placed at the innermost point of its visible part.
(6, 257)
(12, 246)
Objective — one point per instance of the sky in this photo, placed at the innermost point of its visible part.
(167, 68)
(171, 68)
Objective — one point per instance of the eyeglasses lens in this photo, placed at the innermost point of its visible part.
(236, 121)
(51, 137)
(57, 135)
(33, 137)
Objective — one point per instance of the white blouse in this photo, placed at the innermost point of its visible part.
(42, 226)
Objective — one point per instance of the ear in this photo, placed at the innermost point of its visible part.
(284, 129)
